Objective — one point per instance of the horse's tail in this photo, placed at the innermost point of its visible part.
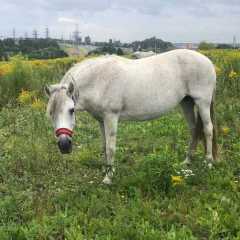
(214, 140)
(199, 133)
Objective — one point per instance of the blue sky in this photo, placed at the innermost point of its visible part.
(127, 20)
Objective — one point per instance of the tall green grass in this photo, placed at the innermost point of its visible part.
(45, 195)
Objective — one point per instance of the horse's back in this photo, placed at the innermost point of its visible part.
(182, 66)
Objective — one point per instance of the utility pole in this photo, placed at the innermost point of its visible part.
(234, 42)
(14, 33)
(35, 34)
(76, 35)
(155, 45)
(47, 33)
(25, 35)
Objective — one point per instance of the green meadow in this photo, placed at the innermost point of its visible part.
(46, 196)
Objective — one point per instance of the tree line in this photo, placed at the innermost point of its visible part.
(31, 48)
(209, 46)
(149, 44)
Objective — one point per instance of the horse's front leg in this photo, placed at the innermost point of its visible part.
(110, 130)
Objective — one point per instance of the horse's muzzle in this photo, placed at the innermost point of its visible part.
(65, 144)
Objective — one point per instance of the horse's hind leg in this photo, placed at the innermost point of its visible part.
(205, 114)
(187, 105)
(101, 124)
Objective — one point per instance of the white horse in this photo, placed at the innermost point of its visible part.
(113, 88)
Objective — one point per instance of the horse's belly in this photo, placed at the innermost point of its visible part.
(139, 116)
(149, 107)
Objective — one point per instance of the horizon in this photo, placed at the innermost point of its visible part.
(22, 37)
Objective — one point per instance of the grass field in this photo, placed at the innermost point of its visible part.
(45, 195)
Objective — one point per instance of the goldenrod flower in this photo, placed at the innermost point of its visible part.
(177, 180)
(232, 75)
(25, 97)
(38, 104)
(225, 130)
(5, 69)
(39, 63)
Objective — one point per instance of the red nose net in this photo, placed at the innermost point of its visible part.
(65, 131)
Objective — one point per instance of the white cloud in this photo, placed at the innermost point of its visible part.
(66, 20)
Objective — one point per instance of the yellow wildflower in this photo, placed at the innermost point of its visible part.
(25, 97)
(225, 130)
(232, 75)
(38, 104)
(177, 180)
(5, 69)
(39, 63)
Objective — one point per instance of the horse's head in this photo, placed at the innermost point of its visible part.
(60, 109)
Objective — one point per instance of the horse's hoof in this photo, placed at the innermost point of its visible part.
(210, 165)
(107, 180)
(209, 161)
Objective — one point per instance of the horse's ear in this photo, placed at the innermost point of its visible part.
(47, 90)
(70, 89)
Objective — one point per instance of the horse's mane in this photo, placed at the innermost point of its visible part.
(86, 66)
(56, 101)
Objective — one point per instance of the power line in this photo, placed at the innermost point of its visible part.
(35, 34)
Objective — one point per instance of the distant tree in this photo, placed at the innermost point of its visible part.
(152, 44)
(224, 46)
(117, 43)
(126, 45)
(32, 48)
(206, 46)
(100, 44)
(107, 49)
(120, 52)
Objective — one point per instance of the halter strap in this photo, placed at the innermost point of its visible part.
(65, 131)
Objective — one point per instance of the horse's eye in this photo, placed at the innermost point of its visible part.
(71, 110)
